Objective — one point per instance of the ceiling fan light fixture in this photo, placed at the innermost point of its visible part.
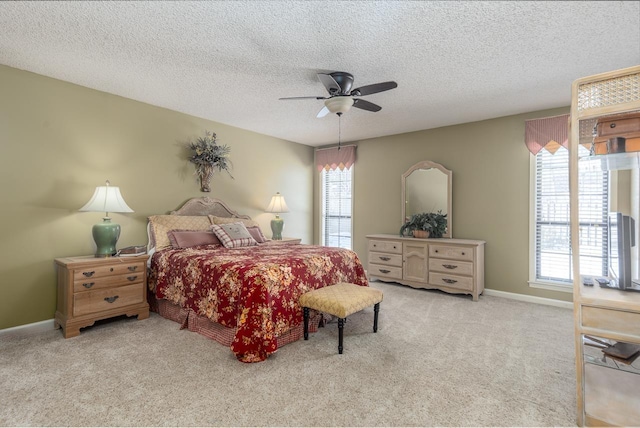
(339, 104)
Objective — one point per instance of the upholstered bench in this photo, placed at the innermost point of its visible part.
(341, 300)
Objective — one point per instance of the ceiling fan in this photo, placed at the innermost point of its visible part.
(341, 97)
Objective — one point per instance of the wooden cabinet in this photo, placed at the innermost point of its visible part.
(90, 289)
(608, 389)
(451, 265)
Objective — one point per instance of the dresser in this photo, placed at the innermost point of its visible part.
(91, 289)
(451, 265)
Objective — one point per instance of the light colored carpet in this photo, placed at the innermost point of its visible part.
(437, 360)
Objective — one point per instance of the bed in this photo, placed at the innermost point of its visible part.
(245, 296)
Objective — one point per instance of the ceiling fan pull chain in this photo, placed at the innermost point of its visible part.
(339, 129)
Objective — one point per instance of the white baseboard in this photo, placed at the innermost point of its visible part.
(527, 298)
(27, 329)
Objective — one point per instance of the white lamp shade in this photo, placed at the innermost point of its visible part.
(277, 204)
(107, 199)
(339, 104)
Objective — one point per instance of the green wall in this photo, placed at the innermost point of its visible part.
(490, 165)
(58, 141)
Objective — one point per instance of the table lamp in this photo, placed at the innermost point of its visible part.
(277, 206)
(106, 199)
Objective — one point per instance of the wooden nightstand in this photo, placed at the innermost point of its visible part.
(284, 241)
(91, 289)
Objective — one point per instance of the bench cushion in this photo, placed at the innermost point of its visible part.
(341, 300)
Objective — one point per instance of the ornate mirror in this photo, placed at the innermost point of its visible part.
(426, 187)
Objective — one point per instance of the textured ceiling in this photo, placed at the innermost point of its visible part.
(229, 62)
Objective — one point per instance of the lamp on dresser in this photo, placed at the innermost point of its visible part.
(277, 206)
(106, 199)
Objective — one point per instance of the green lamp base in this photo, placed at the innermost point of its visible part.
(106, 236)
(277, 224)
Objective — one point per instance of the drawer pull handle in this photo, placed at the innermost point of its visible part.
(450, 266)
(132, 278)
(111, 299)
(88, 284)
(436, 251)
(89, 274)
(384, 270)
(463, 253)
(449, 281)
(386, 259)
(132, 268)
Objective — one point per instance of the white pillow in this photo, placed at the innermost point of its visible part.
(233, 235)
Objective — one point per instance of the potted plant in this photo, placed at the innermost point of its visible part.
(208, 155)
(435, 224)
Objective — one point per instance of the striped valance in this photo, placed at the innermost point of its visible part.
(548, 132)
(336, 158)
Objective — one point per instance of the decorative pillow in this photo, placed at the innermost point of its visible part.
(233, 235)
(226, 220)
(257, 234)
(162, 224)
(191, 238)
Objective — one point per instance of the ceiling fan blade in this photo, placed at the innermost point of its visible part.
(330, 83)
(323, 112)
(366, 105)
(303, 98)
(373, 89)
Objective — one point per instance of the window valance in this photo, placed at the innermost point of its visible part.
(336, 158)
(548, 132)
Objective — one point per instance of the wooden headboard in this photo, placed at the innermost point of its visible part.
(199, 207)
(206, 206)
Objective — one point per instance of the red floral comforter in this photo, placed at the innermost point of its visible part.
(254, 289)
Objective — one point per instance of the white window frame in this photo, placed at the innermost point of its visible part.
(534, 282)
(321, 194)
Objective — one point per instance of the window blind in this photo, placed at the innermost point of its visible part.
(552, 232)
(336, 207)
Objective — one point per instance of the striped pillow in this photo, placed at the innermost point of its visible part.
(233, 235)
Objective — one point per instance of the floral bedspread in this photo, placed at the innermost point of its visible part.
(254, 289)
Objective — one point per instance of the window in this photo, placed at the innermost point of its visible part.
(336, 189)
(552, 235)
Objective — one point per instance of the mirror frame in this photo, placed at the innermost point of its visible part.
(449, 174)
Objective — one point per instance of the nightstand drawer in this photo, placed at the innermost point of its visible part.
(102, 271)
(451, 266)
(453, 281)
(104, 300)
(107, 281)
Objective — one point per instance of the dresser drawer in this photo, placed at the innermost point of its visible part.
(385, 259)
(386, 246)
(447, 252)
(107, 281)
(611, 320)
(104, 300)
(453, 281)
(102, 271)
(382, 271)
(449, 266)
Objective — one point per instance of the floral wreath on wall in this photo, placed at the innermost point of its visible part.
(208, 156)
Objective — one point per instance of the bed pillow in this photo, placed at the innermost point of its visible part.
(257, 234)
(233, 235)
(162, 224)
(226, 220)
(191, 238)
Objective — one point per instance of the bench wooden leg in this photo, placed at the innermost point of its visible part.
(306, 323)
(376, 309)
(340, 331)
